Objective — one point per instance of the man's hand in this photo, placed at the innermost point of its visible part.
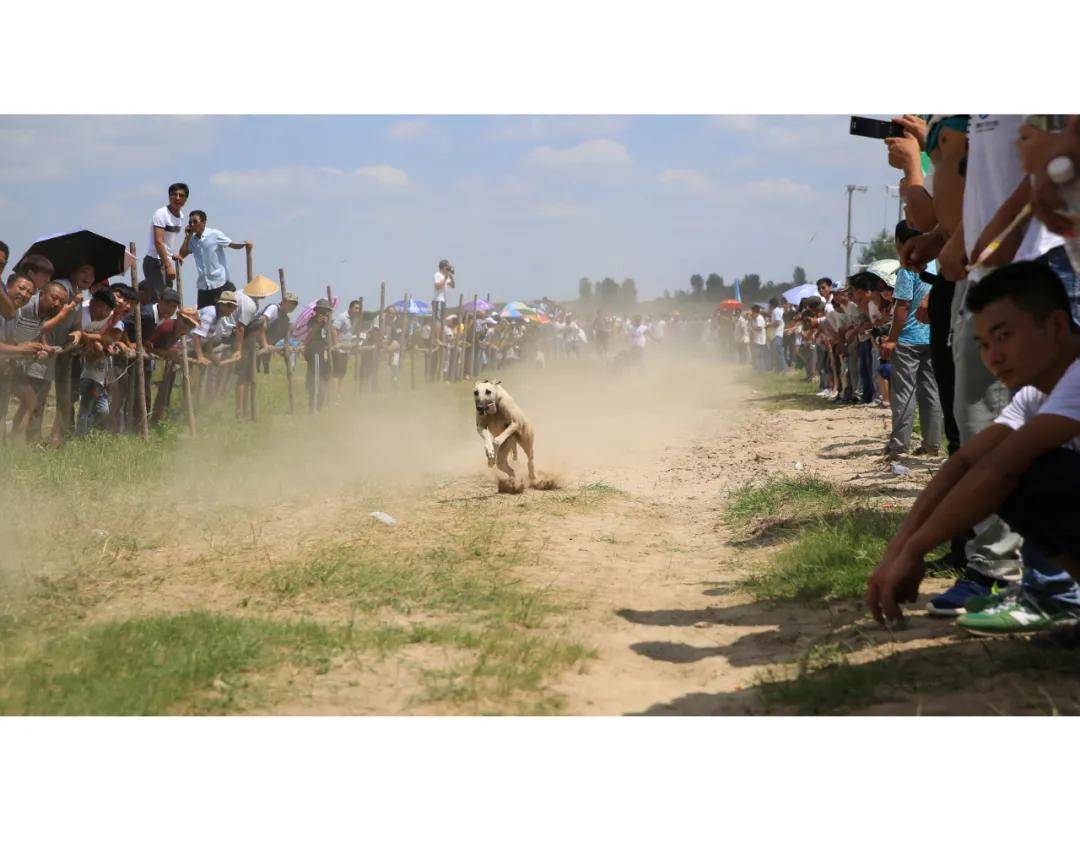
(235, 357)
(896, 580)
(1037, 150)
(952, 260)
(203, 361)
(915, 126)
(919, 251)
(248, 244)
(904, 153)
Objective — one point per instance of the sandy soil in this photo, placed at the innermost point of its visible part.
(649, 577)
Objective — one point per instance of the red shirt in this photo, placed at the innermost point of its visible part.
(165, 336)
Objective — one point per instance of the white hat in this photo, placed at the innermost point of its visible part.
(885, 269)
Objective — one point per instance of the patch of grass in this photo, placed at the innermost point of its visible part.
(782, 495)
(150, 665)
(825, 681)
(830, 560)
(784, 392)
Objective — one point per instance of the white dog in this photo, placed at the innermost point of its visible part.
(502, 425)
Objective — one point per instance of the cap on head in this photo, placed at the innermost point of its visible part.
(227, 297)
(323, 305)
(290, 297)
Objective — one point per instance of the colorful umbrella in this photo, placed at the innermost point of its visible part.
(300, 328)
(416, 307)
(481, 306)
(728, 305)
(517, 309)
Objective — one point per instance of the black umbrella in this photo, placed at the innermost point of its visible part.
(68, 251)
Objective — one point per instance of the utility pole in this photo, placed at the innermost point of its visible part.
(849, 241)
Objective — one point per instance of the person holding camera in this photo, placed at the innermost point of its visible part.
(444, 280)
(207, 245)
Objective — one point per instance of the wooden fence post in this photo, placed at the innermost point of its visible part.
(140, 373)
(286, 349)
(185, 369)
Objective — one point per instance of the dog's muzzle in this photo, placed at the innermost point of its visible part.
(485, 407)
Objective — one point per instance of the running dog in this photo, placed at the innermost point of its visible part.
(502, 425)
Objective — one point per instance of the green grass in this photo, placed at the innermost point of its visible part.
(150, 665)
(779, 496)
(786, 392)
(824, 681)
(830, 560)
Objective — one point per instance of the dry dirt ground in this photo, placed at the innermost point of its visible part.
(646, 575)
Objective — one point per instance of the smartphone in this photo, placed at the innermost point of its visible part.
(867, 127)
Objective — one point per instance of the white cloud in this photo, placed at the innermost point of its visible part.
(408, 130)
(307, 179)
(596, 151)
(36, 149)
(385, 175)
(734, 122)
(686, 179)
(558, 128)
(780, 189)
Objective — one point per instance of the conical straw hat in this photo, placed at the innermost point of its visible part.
(260, 287)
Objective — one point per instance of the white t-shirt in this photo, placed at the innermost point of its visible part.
(207, 320)
(637, 335)
(246, 310)
(174, 231)
(742, 330)
(1063, 400)
(759, 329)
(776, 320)
(660, 329)
(440, 287)
(993, 173)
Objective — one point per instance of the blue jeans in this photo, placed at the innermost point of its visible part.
(778, 357)
(1057, 259)
(866, 370)
(93, 406)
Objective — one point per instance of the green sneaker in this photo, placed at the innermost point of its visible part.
(996, 598)
(1019, 613)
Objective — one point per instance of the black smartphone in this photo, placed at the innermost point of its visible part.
(867, 127)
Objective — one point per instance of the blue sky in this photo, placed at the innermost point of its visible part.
(523, 206)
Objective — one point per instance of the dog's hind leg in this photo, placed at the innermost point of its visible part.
(502, 461)
(527, 446)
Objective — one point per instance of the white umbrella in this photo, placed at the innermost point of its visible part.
(800, 292)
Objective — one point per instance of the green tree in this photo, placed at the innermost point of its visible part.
(880, 247)
(749, 284)
(584, 288)
(698, 284)
(667, 294)
(714, 286)
(608, 289)
(628, 292)
(799, 276)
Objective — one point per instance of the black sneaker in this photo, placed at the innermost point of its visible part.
(945, 563)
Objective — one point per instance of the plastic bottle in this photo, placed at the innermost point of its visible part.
(1062, 173)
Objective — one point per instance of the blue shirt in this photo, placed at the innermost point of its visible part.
(209, 254)
(911, 288)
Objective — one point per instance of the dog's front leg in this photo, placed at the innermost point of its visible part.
(489, 446)
(506, 433)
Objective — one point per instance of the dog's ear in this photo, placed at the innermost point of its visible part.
(497, 382)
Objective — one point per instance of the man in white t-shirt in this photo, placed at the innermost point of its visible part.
(759, 338)
(777, 362)
(1024, 467)
(235, 308)
(166, 236)
(444, 281)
